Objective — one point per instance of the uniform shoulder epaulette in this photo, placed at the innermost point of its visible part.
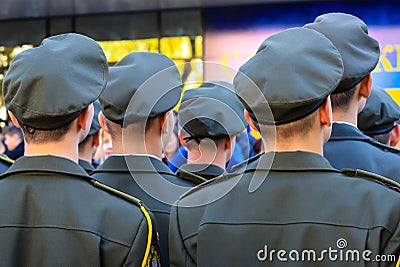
(383, 146)
(152, 252)
(358, 173)
(6, 159)
(246, 162)
(116, 192)
(191, 177)
(221, 178)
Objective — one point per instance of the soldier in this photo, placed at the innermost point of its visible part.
(53, 213)
(210, 116)
(300, 204)
(87, 148)
(141, 92)
(378, 119)
(348, 147)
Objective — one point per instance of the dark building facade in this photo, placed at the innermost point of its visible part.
(190, 32)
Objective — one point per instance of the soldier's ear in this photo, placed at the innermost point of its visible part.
(181, 140)
(163, 122)
(250, 121)
(395, 136)
(96, 139)
(85, 118)
(325, 112)
(229, 142)
(366, 86)
(167, 122)
(102, 122)
(14, 119)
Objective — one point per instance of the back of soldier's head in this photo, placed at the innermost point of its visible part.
(379, 116)
(47, 87)
(141, 87)
(290, 77)
(212, 111)
(95, 127)
(360, 52)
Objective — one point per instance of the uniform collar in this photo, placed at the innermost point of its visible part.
(207, 171)
(146, 155)
(86, 165)
(342, 131)
(137, 163)
(292, 161)
(346, 122)
(48, 163)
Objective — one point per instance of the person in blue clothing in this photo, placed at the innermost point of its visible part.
(348, 147)
(178, 159)
(14, 141)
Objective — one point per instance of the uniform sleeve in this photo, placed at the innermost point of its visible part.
(138, 250)
(178, 255)
(393, 247)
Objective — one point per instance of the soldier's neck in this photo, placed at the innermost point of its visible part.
(217, 158)
(86, 155)
(86, 151)
(66, 149)
(311, 143)
(136, 145)
(346, 115)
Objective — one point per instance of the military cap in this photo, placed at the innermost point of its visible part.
(141, 85)
(380, 113)
(95, 127)
(360, 52)
(213, 110)
(47, 87)
(291, 75)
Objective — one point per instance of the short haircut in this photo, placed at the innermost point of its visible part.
(150, 122)
(36, 136)
(136, 126)
(112, 126)
(381, 138)
(342, 100)
(292, 129)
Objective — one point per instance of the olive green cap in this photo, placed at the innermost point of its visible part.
(47, 87)
(360, 52)
(213, 110)
(141, 85)
(292, 74)
(379, 114)
(95, 127)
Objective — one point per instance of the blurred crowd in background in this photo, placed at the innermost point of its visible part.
(174, 154)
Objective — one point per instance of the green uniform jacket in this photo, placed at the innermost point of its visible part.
(198, 173)
(51, 215)
(303, 204)
(115, 172)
